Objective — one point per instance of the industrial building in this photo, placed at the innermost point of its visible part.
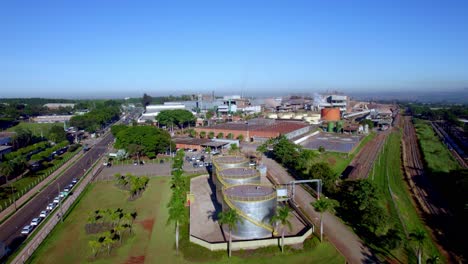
(59, 105)
(258, 129)
(153, 110)
(52, 118)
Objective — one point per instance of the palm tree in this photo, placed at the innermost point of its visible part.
(95, 246)
(119, 229)
(230, 218)
(321, 206)
(281, 216)
(433, 260)
(177, 215)
(419, 236)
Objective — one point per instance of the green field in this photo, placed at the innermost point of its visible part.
(387, 173)
(153, 240)
(436, 155)
(36, 128)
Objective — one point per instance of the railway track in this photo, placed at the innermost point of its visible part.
(364, 160)
(414, 168)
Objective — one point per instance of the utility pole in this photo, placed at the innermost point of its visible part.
(12, 195)
(60, 202)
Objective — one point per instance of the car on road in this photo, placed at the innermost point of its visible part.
(36, 221)
(57, 200)
(74, 181)
(27, 229)
(70, 186)
(67, 189)
(51, 206)
(43, 214)
(63, 194)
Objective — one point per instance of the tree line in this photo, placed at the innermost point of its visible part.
(97, 118)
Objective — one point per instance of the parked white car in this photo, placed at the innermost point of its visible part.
(27, 229)
(50, 206)
(43, 214)
(35, 221)
(57, 200)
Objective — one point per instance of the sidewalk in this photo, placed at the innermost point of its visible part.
(344, 239)
(31, 193)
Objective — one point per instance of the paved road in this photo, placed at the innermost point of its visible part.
(10, 229)
(344, 239)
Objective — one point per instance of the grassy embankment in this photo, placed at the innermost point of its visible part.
(36, 128)
(388, 176)
(153, 240)
(436, 155)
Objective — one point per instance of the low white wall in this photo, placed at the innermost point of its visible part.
(251, 244)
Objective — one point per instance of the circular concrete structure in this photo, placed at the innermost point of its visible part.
(256, 204)
(224, 162)
(330, 114)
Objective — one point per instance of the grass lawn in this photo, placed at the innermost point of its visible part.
(437, 156)
(36, 128)
(387, 173)
(339, 161)
(153, 241)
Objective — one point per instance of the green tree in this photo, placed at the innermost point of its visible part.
(211, 135)
(135, 150)
(202, 134)
(281, 217)
(230, 218)
(152, 140)
(95, 246)
(230, 136)
(322, 171)
(177, 215)
(240, 137)
(419, 236)
(178, 117)
(286, 152)
(324, 205)
(234, 148)
(220, 135)
(57, 134)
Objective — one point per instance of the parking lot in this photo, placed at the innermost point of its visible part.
(332, 142)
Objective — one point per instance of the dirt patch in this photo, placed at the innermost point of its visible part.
(331, 161)
(147, 224)
(162, 181)
(135, 260)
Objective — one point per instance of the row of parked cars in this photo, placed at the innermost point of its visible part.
(49, 208)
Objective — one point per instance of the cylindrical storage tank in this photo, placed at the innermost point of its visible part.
(256, 204)
(263, 170)
(221, 163)
(339, 126)
(331, 114)
(286, 116)
(331, 126)
(236, 176)
(224, 162)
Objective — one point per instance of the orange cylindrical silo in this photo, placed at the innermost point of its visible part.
(330, 114)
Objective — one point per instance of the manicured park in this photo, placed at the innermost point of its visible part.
(152, 239)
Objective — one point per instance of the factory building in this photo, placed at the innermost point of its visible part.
(258, 129)
(153, 110)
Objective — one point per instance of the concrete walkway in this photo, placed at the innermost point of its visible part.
(344, 239)
(31, 193)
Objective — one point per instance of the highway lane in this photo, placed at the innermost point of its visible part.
(10, 230)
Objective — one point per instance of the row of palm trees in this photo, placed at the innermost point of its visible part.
(177, 212)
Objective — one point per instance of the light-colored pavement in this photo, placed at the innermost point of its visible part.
(344, 239)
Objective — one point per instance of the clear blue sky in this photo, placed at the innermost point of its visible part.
(99, 47)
